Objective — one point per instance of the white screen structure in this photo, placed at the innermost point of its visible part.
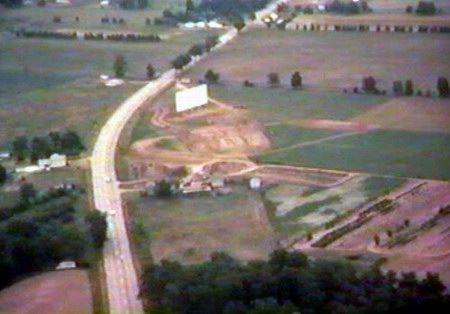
(191, 98)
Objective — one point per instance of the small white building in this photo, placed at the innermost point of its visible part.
(217, 183)
(5, 155)
(255, 183)
(55, 161)
(66, 265)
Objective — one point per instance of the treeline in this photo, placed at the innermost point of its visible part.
(348, 7)
(89, 36)
(122, 37)
(37, 236)
(133, 4)
(68, 143)
(287, 283)
(423, 8)
(196, 50)
(11, 3)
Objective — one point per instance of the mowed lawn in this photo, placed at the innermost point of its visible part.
(333, 59)
(190, 228)
(383, 152)
(54, 84)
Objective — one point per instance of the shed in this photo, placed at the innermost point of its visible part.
(255, 183)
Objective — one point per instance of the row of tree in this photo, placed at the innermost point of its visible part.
(348, 7)
(423, 8)
(369, 85)
(68, 143)
(287, 283)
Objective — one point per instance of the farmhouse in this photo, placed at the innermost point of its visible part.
(55, 161)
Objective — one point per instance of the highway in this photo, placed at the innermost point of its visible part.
(121, 278)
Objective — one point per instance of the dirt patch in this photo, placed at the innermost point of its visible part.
(242, 138)
(414, 114)
(336, 125)
(63, 292)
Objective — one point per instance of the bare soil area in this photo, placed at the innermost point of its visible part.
(58, 292)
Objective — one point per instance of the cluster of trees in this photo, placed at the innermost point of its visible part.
(369, 86)
(133, 4)
(34, 238)
(114, 20)
(68, 143)
(196, 50)
(287, 283)
(273, 79)
(11, 3)
(424, 8)
(122, 37)
(231, 8)
(349, 7)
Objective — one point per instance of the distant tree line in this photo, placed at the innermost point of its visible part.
(287, 283)
(37, 236)
(46, 34)
(133, 4)
(348, 7)
(11, 3)
(68, 143)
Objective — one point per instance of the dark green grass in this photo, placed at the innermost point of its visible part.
(282, 105)
(396, 153)
(285, 135)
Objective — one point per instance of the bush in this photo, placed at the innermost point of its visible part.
(120, 66)
(211, 76)
(247, 83)
(296, 80)
(181, 61)
(273, 79)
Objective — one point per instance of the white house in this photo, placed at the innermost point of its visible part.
(55, 161)
(5, 155)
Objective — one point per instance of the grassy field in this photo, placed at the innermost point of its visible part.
(53, 84)
(90, 13)
(190, 228)
(285, 135)
(332, 59)
(284, 105)
(384, 152)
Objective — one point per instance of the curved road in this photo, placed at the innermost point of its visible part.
(121, 279)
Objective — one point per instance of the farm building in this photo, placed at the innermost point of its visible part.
(55, 161)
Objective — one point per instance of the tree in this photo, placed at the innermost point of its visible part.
(273, 79)
(20, 148)
(196, 50)
(239, 25)
(409, 88)
(12, 3)
(211, 76)
(71, 143)
(409, 9)
(369, 84)
(27, 192)
(163, 189)
(189, 6)
(397, 88)
(376, 239)
(150, 71)
(181, 61)
(3, 174)
(296, 80)
(120, 66)
(426, 8)
(211, 41)
(443, 87)
(97, 226)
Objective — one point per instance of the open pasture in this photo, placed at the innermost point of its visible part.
(54, 84)
(382, 152)
(332, 59)
(90, 14)
(190, 228)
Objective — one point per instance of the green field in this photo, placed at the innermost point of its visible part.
(383, 152)
(285, 105)
(89, 13)
(285, 135)
(332, 59)
(54, 84)
(190, 228)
